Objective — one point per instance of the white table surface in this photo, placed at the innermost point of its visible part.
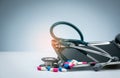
(23, 65)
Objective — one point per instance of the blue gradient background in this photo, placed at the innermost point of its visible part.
(24, 25)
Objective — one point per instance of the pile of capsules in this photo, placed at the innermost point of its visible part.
(66, 65)
(48, 68)
(71, 63)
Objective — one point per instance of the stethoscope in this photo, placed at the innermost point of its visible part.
(67, 42)
(57, 64)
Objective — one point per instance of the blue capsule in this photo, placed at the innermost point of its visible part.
(66, 66)
(48, 68)
(60, 69)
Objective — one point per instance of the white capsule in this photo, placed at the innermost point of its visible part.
(64, 70)
(82, 63)
(51, 69)
(74, 62)
(43, 69)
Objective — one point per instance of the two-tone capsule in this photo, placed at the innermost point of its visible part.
(40, 68)
(60, 69)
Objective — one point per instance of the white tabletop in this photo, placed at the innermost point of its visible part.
(23, 65)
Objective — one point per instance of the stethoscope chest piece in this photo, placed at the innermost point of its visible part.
(49, 61)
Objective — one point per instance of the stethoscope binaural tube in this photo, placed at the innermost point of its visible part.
(68, 24)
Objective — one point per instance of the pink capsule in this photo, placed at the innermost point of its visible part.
(41, 68)
(82, 63)
(66, 62)
(71, 65)
(54, 69)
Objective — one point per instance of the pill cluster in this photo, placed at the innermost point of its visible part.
(71, 63)
(66, 65)
(48, 68)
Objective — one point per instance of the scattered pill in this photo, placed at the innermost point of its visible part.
(41, 68)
